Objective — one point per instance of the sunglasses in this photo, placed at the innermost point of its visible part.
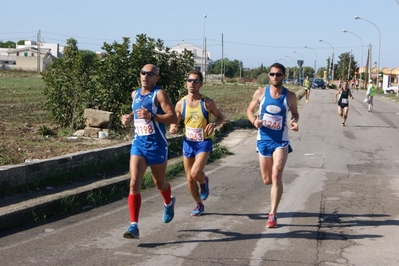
(149, 73)
(276, 74)
(196, 81)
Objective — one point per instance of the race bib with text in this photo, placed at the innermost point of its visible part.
(274, 122)
(144, 127)
(194, 134)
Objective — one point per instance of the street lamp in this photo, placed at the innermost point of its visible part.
(291, 58)
(203, 51)
(283, 60)
(332, 60)
(300, 65)
(288, 70)
(361, 59)
(300, 55)
(294, 70)
(379, 43)
(314, 60)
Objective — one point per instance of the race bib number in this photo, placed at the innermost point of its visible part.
(144, 127)
(195, 134)
(274, 122)
(344, 100)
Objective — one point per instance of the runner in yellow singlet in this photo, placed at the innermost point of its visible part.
(197, 111)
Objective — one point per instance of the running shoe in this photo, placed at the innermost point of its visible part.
(198, 210)
(169, 212)
(307, 100)
(343, 124)
(205, 189)
(272, 221)
(132, 232)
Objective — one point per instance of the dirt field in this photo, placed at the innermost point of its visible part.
(26, 130)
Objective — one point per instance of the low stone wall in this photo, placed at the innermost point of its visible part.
(25, 173)
(21, 174)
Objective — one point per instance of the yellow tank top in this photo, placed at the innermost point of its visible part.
(196, 117)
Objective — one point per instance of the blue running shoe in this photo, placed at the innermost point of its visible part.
(205, 189)
(132, 232)
(169, 212)
(198, 210)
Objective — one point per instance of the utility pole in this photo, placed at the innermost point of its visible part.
(350, 61)
(38, 52)
(205, 62)
(221, 63)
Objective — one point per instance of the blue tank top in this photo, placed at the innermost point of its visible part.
(151, 134)
(273, 113)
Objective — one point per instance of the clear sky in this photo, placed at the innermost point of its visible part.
(254, 31)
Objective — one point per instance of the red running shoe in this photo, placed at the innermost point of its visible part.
(272, 221)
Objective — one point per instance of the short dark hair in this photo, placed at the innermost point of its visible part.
(196, 72)
(279, 66)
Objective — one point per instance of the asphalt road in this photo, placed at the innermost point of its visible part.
(340, 205)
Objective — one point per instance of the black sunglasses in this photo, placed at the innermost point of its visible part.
(149, 73)
(196, 81)
(276, 74)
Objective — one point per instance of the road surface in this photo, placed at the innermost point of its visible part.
(339, 207)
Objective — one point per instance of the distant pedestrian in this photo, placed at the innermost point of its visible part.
(357, 85)
(201, 116)
(370, 95)
(307, 84)
(268, 112)
(343, 95)
(152, 109)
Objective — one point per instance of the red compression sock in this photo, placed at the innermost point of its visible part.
(134, 203)
(166, 195)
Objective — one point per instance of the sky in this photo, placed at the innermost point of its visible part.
(256, 32)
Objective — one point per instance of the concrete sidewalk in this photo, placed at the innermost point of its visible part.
(27, 208)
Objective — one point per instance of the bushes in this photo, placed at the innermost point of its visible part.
(81, 79)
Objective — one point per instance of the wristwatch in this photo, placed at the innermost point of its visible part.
(152, 116)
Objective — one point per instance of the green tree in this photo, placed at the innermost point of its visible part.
(69, 82)
(81, 80)
(308, 71)
(346, 66)
(8, 44)
(263, 79)
(231, 69)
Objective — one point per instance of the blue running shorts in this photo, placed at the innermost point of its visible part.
(152, 156)
(192, 148)
(267, 147)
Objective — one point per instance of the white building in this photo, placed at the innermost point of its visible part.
(29, 56)
(201, 62)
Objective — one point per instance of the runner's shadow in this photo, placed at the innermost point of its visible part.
(322, 220)
(225, 236)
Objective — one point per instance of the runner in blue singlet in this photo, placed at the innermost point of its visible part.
(152, 109)
(274, 102)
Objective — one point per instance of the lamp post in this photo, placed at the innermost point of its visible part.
(283, 60)
(332, 60)
(361, 59)
(203, 51)
(300, 55)
(314, 60)
(287, 69)
(293, 76)
(291, 58)
(300, 65)
(379, 43)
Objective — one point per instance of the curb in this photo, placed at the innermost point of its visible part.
(31, 211)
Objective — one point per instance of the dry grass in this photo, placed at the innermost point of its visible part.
(24, 125)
